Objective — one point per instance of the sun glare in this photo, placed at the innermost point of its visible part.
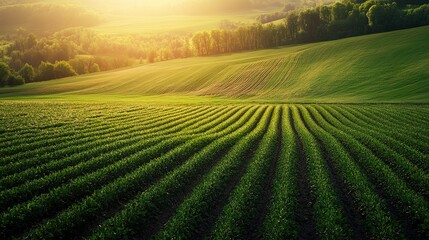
(135, 3)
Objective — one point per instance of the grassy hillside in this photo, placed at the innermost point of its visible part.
(388, 67)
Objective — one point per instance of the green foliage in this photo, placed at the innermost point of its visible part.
(27, 72)
(94, 68)
(417, 16)
(325, 22)
(5, 72)
(83, 48)
(83, 64)
(382, 17)
(45, 71)
(15, 80)
(48, 71)
(63, 69)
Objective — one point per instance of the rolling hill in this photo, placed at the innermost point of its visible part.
(387, 67)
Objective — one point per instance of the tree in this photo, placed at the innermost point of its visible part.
(357, 1)
(80, 65)
(418, 16)
(15, 80)
(310, 23)
(151, 55)
(94, 68)
(45, 71)
(242, 38)
(216, 37)
(292, 26)
(338, 11)
(63, 69)
(226, 41)
(383, 17)
(202, 43)
(358, 22)
(4, 74)
(27, 72)
(325, 14)
(31, 41)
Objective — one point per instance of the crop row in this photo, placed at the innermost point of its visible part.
(80, 164)
(90, 135)
(132, 183)
(219, 172)
(98, 174)
(103, 146)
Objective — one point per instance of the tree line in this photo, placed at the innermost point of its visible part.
(27, 73)
(326, 22)
(82, 51)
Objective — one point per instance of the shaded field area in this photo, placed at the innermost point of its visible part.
(241, 171)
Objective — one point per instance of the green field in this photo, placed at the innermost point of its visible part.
(238, 171)
(387, 67)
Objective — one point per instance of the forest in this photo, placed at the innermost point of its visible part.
(26, 57)
(326, 22)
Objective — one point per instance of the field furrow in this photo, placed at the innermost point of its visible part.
(411, 207)
(138, 215)
(328, 213)
(408, 137)
(79, 187)
(93, 134)
(235, 171)
(126, 139)
(102, 161)
(102, 200)
(197, 214)
(238, 219)
(280, 221)
(392, 153)
(364, 200)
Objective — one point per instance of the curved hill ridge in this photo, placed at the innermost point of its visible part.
(387, 67)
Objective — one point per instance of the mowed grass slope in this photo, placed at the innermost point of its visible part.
(387, 67)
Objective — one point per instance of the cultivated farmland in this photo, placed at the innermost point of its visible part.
(236, 171)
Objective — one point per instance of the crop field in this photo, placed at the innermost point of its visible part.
(192, 171)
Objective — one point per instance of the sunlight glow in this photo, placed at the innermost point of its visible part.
(139, 3)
